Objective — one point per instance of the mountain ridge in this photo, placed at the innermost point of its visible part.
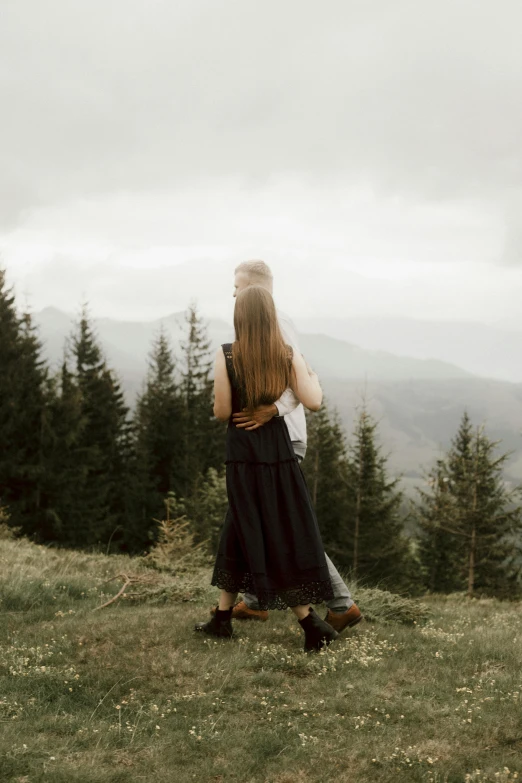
(330, 355)
(482, 349)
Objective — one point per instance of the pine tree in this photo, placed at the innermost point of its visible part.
(434, 513)
(65, 471)
(159, 425)
(23, 410)
(481, 516)
(380, 551)
(325, 469)
(204, 437)
(486, 511)
(205, 511)
(90, 506)
(208, 508)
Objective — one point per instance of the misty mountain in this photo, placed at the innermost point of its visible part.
(339, 359)
(486, 351)
(417, 401)
(127, 344)
(418, 418)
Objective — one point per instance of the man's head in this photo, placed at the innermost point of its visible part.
(252, 273)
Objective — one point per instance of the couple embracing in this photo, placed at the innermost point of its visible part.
(270, 548)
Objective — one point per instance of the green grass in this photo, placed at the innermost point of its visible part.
(425, 692)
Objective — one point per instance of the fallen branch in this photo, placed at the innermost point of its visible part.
(128, 579)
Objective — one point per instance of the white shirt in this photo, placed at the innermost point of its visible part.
(288, 405)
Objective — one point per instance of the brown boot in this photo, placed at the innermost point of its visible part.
(242, 612)
(341, 620)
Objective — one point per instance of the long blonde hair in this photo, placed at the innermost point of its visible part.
(261, 359)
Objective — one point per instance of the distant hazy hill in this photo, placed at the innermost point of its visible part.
(418, 418)
(339, 359)
(483, 350)
(418, 402)
(127, 344)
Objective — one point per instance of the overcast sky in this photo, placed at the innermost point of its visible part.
(369, 151)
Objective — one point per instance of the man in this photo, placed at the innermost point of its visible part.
(342, 611)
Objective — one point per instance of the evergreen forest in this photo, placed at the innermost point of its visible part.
(80, 469)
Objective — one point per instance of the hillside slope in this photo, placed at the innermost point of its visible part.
(339, 359)
(418, 418)
(481, 349)
(131, 693)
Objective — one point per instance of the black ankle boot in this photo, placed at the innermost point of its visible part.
(318, 633)
(220, 624)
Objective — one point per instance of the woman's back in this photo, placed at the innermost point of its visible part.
(238, 389)
(268, 444)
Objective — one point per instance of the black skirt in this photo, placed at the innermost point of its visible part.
(270, 545)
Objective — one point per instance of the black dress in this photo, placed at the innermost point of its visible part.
(270, 544)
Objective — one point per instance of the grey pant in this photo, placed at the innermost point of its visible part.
(342, 599)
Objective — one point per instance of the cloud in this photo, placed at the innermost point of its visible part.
(512, 247)
(408, 98)
(137, 289)
(287, 216)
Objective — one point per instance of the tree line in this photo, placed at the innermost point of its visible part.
(78, 468)
(467, 520)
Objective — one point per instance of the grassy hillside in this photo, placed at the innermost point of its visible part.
(425, 692)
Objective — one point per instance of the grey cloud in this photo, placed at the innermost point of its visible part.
(302, 287)
(118, 291)
(512, 253)
(420, 99)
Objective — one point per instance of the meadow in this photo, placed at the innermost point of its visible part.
(422, 691)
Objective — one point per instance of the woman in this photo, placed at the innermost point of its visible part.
(270, 544)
